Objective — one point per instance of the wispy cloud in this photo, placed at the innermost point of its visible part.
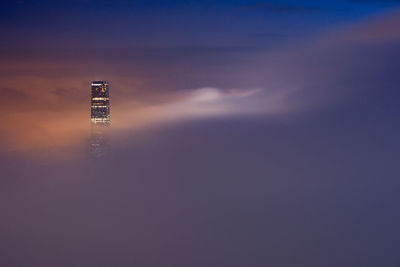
(207, 102)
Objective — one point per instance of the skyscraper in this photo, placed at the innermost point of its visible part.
(100, 118)
(100, 103)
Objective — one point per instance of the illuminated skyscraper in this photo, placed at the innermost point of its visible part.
(100, 118)
(100, 103)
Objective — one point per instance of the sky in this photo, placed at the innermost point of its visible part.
(243, 133)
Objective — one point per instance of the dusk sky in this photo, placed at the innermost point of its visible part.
(243, 133)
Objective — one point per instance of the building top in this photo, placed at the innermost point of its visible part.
(98, 83)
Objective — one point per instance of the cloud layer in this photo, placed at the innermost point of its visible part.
(46, 93)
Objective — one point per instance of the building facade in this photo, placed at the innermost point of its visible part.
(100, 103)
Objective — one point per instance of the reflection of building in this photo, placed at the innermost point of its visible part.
(100, 118)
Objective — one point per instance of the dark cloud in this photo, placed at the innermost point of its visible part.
(13, 93)
(14, 100)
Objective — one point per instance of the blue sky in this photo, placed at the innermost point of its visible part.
(175, 23)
